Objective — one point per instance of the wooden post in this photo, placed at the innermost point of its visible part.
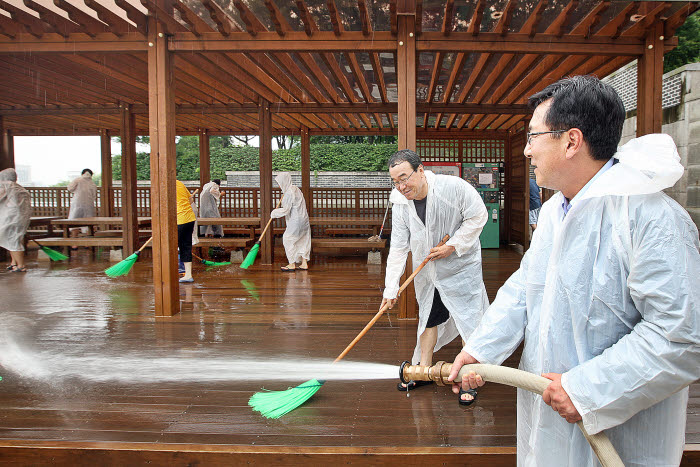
(161, 117)
(650, 70)
(406, 76)
(7, 147)
(306, 168)
(265, 178)
(106, 194)
(128, 211)
(204, 159)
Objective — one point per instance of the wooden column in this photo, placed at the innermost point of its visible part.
(128, 211)
(265, 178)
(306, 168)
(106, 194)
(7, 147)
(161, 117)
(204, 158)
(650, 70)
(406, 76)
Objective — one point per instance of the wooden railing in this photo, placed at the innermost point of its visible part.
(235, 202)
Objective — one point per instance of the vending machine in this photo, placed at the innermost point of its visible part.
(485, 177)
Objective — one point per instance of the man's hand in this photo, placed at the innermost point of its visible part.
(556, 397)
(440, 252)
(390, 301)
(470, 380)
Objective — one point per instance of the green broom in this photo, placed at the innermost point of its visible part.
(211, 263)
(274, 404)
(52, 254)
(250, 258)
(123, 267)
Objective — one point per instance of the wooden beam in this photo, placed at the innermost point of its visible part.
(134, 14)
(163, 199)
(364, 17)
(522, 43)
(61, 25)
(266, 206)
(115, 23)
(335, 18)
(204, 158)
(649, 82)
(128, 209)
(104, 42)
(276, 17)
(530, 25)
(321, 41)
(88, 24)
(197, 25)
(558, 26)
(223, 22)
(252, 23)
(591, 20)
(106, 193)
(306, 169)
(474, 27)
(33, 25)
(305, 16)
(501, 27)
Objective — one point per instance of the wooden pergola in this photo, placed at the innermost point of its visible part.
(424, 70)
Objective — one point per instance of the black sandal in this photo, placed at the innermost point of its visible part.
(471, 392)
(412, 385)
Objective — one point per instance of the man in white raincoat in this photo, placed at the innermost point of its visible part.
(209, 207)
(84, 194)
(297, 236)
(607, 298)
(15, 212)
(450, 289)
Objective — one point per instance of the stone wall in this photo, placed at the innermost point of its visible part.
(681, 120)
(318, 179)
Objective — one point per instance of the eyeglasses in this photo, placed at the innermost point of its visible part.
(538, 133)
(402, 181)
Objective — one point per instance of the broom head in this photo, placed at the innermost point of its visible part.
(250, 259)
(274, 404)
(53, 254)
(214, 263)
(252, 290)
(123, 267)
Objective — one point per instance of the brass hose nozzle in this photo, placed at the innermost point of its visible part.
(437, 373)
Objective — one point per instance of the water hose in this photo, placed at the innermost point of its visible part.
(601, 445)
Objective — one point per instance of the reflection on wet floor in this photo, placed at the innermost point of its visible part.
(68, 329)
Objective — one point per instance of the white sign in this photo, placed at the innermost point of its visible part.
(485, 179)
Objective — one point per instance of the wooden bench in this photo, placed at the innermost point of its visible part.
(225, 242)
(120, 233)
(357, 244)
(354, 231)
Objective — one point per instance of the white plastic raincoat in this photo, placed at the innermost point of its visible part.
(454, 207)
(609, 296)
(297, 236)
(84, 193)
(209, 207)
(15, 211)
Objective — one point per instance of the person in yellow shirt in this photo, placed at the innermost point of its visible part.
(185, 227)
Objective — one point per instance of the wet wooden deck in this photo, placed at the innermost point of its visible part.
(73, 307)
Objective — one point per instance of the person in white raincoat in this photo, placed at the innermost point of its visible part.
(84, 194)
(450, 289)
(15, 214)
(209, 207)
(607, 298)
(297, 236)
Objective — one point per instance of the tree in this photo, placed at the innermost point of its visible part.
(282, 141)
(245, 139)
(688, 50)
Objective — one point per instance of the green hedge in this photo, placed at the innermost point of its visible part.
(324, 158)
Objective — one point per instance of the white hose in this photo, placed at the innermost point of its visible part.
(600, 443)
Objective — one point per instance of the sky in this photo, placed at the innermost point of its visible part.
(53, 159)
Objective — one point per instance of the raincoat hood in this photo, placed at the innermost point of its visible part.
(8, 175)
(284, 180)
(646, 165)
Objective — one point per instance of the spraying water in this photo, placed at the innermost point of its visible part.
(201, 366)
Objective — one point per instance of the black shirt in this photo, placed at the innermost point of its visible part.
(420, 208)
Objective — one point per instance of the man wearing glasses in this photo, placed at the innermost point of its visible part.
(607, 298)
(450, 290)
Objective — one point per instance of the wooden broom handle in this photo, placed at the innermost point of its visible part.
(386, 305)
(270, 221)
(145, 244)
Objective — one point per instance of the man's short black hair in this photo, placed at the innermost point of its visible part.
(86, 170)
(405, 155)
(217, 181)
(586, 103)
